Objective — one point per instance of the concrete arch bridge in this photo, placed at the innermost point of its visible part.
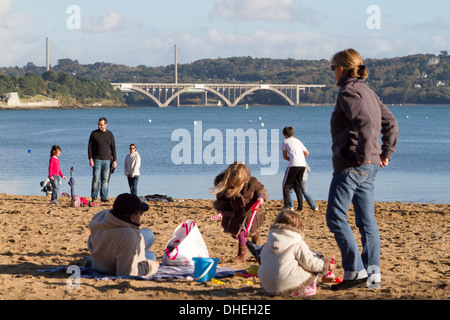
(163, 94)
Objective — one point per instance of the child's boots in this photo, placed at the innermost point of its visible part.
(242, 250)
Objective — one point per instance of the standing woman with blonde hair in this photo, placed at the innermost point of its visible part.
(357, 155)
(236, 192)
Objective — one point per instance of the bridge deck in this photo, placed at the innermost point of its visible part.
(230, 94)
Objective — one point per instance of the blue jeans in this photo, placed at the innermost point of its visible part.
(355, 185)
(149, 239)
(133, 183)
(307, 196)
(56, 182)
(100, 176)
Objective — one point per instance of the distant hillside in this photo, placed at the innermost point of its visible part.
(71, 91)
(419, 79)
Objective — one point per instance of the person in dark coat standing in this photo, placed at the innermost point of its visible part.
(356, 122)
(102, 157)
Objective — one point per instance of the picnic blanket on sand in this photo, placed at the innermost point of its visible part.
(164, 272)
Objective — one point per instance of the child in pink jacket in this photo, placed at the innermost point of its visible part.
(54, 172)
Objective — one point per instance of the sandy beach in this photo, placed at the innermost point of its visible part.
(34, 235)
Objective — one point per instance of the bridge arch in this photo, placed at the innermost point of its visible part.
(188, 89)
(278, 92)
(287, 92)
(148, 94)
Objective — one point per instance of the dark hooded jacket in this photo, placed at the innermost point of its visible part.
(236, 211)
(356, 122)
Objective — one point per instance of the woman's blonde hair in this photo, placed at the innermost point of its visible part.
(234, 179)
(351, 61)
(290, 218)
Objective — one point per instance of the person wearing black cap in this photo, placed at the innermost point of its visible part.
(116, 243)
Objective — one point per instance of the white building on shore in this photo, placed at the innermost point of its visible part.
(12, 100)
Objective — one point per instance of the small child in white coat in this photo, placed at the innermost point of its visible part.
(288, 266)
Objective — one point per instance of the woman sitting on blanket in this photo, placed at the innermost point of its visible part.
(116, 243)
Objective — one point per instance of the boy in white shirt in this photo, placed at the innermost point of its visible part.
(295, 152)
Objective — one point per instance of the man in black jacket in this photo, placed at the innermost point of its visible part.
(101, 151)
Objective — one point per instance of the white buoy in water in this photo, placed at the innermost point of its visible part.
(262, 124)
(195, 122)
(149, 120)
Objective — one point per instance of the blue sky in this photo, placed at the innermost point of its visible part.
(144, 32)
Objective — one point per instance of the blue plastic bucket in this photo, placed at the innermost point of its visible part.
(205, 268)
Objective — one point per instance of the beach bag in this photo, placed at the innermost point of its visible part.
(186, 243)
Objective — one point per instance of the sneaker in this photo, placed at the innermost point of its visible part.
(310, 291)
(349, 284)
(54, 202)
(374, 285)
(104, 200)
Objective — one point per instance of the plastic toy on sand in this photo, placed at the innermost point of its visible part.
(254, 208)
(252, 270)
(205, 268)
(329, 277)
(337, 280)
(215, 281)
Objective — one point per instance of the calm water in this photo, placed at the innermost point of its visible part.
(419, 172)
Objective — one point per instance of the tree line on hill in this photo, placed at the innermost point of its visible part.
(68, 89)
(415, 79)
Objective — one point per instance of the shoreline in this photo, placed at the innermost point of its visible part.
(62, 107)
(388, 189)
(4, 106)
(37, 235)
